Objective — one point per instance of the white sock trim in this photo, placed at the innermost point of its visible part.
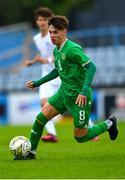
(109, 123)
(33, 152)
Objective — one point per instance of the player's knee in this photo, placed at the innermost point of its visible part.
(46, 110)
(79, 134)
(49, 111)
(43, 101)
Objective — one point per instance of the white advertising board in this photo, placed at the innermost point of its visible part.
(23, 107)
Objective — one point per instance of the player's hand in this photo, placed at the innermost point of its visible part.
(37, 58)
(29, 84)
(27, 62)
(40, 59)
(81, 100)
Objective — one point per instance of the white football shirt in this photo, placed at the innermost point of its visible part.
(45, 47)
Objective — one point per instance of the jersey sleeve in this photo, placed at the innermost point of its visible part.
(79, 56)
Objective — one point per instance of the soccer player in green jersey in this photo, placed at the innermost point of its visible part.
(76, 71)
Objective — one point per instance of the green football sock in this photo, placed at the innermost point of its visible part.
(37, 130)
(93, 132)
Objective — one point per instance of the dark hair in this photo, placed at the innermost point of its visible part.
(44, 12)
(59, 22)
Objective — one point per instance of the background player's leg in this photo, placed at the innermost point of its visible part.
(51, 132)
(50, 128)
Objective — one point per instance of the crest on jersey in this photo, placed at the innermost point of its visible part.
(63, 56)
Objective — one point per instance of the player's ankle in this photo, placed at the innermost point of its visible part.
(108, 123)
(33, 152)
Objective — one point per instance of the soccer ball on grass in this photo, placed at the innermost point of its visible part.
(20, 146)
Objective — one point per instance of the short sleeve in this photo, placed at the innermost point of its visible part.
(79, 56)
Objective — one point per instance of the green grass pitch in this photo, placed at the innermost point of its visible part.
(66, 159)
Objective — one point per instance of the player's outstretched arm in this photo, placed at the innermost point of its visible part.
(36, 59)
(30, 62)
(52, 75)
(44, 60)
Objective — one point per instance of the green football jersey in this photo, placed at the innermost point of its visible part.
(70, 61)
